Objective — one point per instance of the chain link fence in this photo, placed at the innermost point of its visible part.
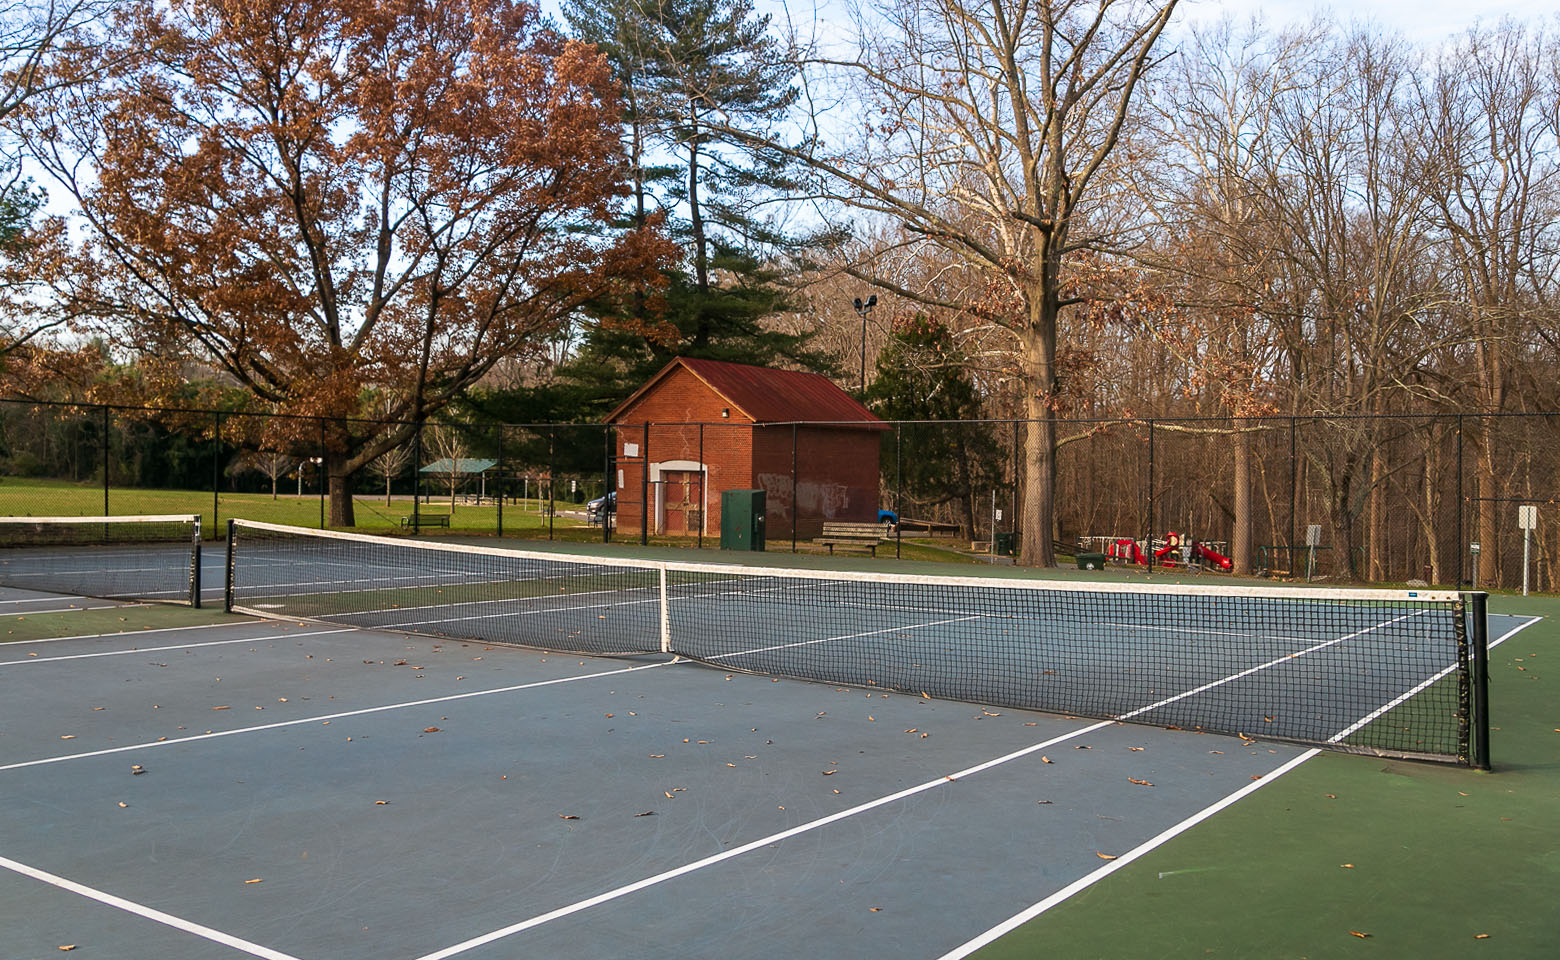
(1393, 499)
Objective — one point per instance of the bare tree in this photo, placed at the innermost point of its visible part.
(390, 465)
(991, 125)
(272, 464)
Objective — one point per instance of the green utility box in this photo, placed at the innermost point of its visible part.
(742, 520)
(1002, 544)
(1091, 561)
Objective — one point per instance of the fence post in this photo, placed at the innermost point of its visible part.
(105, 460)
(417, 457)
(1148, 541)
(323, 476)
(608, 517)
(1013, 517)
(899, 493)
(1461, 548)
(796, 512)
(644, 487)
(552, 480)
(216, 470)
(500, 480)
(704, 507)
(1294, 491)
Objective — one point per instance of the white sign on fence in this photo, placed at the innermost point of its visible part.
(1313, 535)
(1527, 518)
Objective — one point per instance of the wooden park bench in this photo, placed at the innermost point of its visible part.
(867, 535)
(426, 520)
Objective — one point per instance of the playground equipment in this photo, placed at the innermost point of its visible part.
(1174, 549)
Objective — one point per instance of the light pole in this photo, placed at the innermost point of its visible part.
(863, 309)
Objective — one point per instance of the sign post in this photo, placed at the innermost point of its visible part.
(1313, 539)
(1473, 548)
(1527, 519)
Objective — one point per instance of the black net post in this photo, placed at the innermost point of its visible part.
(227, 579)
(1479, 638)
(195, 566)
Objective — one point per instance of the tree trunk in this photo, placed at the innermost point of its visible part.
(1240, 537)
(341, 507)
(1485, 488)
(1375, 545)
(1039, 482)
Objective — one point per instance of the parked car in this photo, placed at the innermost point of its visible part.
(597, 509)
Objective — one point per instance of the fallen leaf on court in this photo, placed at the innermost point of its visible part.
(1219, 752)
(96, 709)
(1046, 760)
(398, 663)
(926, 695)
(1461, 794)
(925, 735)
(67, 946)
(1031, 724)
(1136, 749)
(990, 714)
(871, 718)
(828, 773)
(1477, 936)
(281, 699)
(1045, 801)
(1082, 746)
(123, 804)
(381, 803)
(1105, 856)
(1257, 776)
(1356, 933)
(657, 756)
(221, 708)
(836, 791)
(668, 794)
(430, 729)
(745, 757)
(68, 736)
(912, 730)
(1332, 796)
(255, 880)
(1141, 783)
(609, 716)
(730, 764)
(874, 909)
(701, 741)
(647, 813)
(1245, 738)
(1347, 866)
(567, 816)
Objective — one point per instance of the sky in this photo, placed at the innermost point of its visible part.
(1425, 21)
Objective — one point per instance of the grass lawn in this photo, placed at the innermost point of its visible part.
(39, 498)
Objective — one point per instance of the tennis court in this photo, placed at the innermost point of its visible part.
(338, 787)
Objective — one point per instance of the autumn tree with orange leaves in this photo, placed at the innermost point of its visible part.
(330, 201)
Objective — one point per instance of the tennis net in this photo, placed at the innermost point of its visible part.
(1374, 671)
(154, 558)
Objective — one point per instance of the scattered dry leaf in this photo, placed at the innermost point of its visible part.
(67, 946)
(1105, 856)
(647, 813)
(1141, 783)
(1136, 749)
(1347, 866)
(381, 803)
(255, 880)
(123, 804)
(567, 816)
(68, 736)
(1046, 760)
(222, 708)
(430, 729)
(1356, 933)
(1477, 936)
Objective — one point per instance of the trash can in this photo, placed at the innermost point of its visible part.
(1002, 544)
(1091, 561)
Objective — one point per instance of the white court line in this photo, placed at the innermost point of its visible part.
(725, 855)
(179, 646)
(1403, 697)
(1088, 880)
(721, 857)
(52, 596)
(1083, 883)
(335, 716)
(137, 633)
(141, 910)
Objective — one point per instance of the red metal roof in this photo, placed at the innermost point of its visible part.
(766, 395)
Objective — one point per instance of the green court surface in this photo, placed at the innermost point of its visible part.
(124, 619)
(1425, 861)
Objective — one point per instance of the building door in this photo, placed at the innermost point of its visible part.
(683, 511)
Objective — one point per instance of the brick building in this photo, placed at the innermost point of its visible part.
(704, 426)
